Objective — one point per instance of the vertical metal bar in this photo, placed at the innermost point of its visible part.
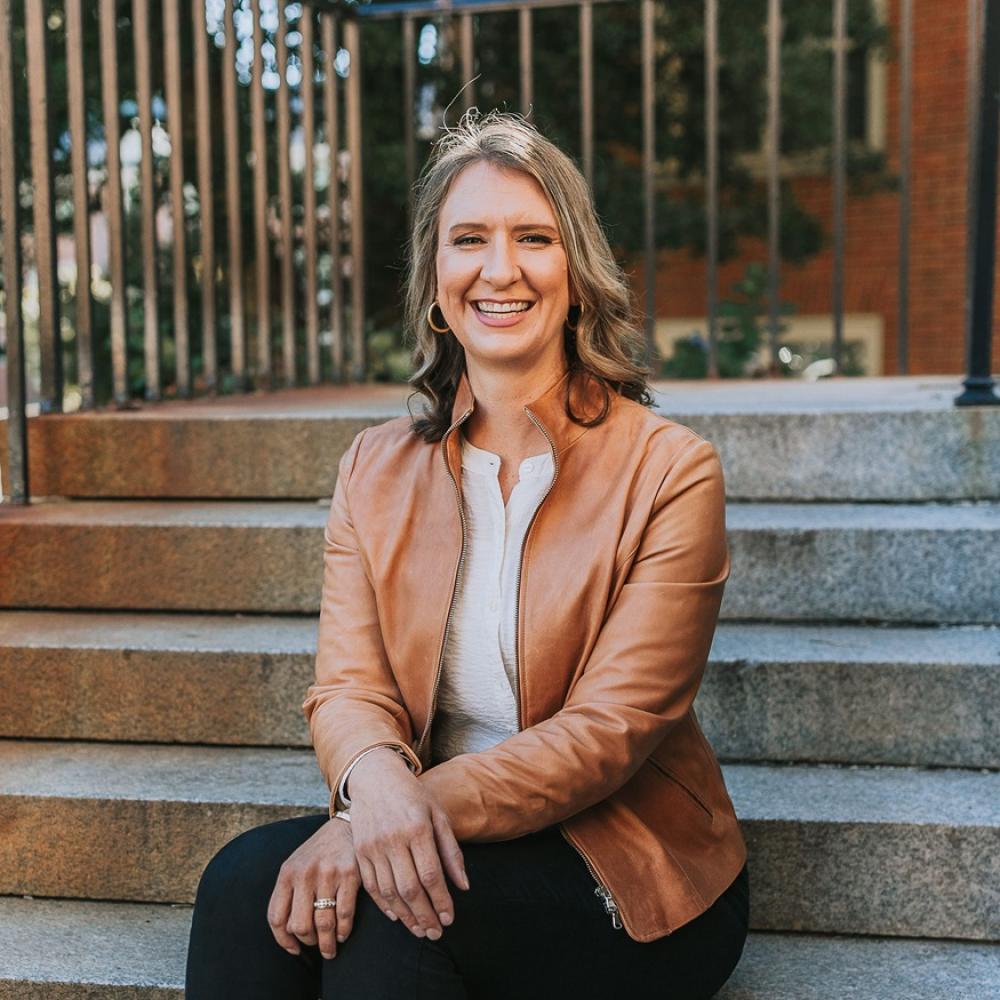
(83, 319)
(352, 40)
(905, 121)
(647, 13)
(234, 214)
(16, 484)
(409, 100)
(50, 342)
(979, 383)
(468, 59)
(973, 81)
(262, 249)
(774, 33)
(144, 98)
(712, 176)
(587, 89)
(172, 73)
(285, 203)
(309, 195)
(113, 199)
(524, 43)
(331, 116)
(203, 117)
(839, 173)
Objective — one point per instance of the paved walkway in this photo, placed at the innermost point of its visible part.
(901, 392)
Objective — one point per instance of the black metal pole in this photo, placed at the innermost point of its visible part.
(979, 383)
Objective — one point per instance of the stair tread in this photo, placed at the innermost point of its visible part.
(936, 516)
(791, 792)
(734, 642)
(962, 515)
(116, 630)
(145, 946)
(169, 513)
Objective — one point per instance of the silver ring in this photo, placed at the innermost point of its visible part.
(324, 904)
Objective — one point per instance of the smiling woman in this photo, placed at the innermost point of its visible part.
(505, 270)
(520, 592)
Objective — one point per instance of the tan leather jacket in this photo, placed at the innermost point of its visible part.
(622, 574)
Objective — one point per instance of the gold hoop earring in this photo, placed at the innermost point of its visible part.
(430, 319)
(573, 326)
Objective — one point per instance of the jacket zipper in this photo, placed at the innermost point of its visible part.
(610, 906)
(451, 606)
(601, 890)
(520, 561)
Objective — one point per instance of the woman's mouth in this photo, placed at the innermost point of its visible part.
(501, 313)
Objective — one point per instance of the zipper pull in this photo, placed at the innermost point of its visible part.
(610, 906)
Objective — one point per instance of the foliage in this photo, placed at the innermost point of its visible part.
(739, 334)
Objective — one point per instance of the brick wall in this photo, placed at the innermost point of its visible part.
(937, 222)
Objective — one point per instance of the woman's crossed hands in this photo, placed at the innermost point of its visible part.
(404, 844)
(398, 845)
(323, 867)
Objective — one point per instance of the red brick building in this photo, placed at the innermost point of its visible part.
(939, 158)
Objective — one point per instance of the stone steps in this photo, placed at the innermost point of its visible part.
(821, 562)
(794, 442)
(873, 850)
(135, 951)
(158, 635)
(772, 692)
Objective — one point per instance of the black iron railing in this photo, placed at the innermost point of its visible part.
(329, 52)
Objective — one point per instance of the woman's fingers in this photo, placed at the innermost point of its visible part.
(369, 879)
(278, 910)
(389, 898)
(449, 850)
(325, 919)
(301, 921)
(347, 901)
(433, 889)
(409, 885)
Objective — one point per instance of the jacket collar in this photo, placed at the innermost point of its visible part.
(548, 409)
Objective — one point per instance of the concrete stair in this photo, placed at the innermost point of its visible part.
(136, 951)
(821, 562)
(772, 692)
(162, 811)
(843, 440)
(157, 633)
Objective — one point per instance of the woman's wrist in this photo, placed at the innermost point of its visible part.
(372, 763)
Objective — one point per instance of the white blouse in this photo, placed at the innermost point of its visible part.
(477, 692)
(477, 696)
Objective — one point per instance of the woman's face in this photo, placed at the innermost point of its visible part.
(502, 276)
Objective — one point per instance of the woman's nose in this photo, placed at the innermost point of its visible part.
(500, 268)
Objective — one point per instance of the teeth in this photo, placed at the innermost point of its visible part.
(507, 307)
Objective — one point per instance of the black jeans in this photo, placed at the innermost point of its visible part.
(529, 926)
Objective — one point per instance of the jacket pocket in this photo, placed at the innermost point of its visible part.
(670, 776)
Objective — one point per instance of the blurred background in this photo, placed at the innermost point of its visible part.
(786, 187)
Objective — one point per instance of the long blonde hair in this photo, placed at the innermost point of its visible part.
(607, 340)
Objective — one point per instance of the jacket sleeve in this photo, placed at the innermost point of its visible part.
(354, 704)
(642, 675)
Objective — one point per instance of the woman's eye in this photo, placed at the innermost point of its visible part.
(464, 240)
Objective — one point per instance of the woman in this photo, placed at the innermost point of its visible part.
(520, 593)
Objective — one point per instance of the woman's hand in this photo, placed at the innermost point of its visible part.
(323, 867)
(401, 838)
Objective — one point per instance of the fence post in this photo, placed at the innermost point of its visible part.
(979, 383)
(15, 487)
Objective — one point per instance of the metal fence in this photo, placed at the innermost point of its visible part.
(330, 50)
